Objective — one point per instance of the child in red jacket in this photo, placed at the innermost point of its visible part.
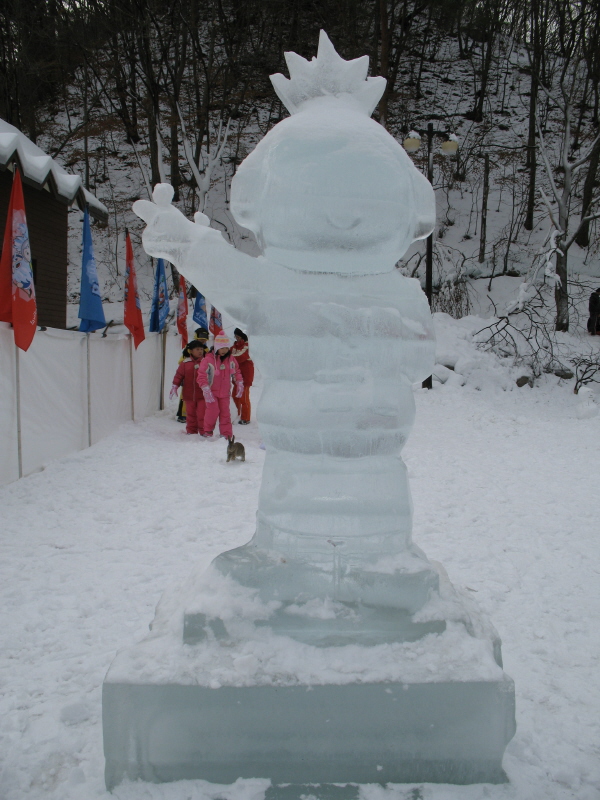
(215, 375)
(192, 395)
(242, 355)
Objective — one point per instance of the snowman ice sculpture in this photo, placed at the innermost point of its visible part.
(339, 336)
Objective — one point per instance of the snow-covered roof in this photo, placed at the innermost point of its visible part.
(39, 169)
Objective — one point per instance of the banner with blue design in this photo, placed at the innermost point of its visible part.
(199, 315)
(160, 299)
(91, 312)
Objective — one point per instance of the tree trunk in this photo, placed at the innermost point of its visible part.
(485, 74)
(175, 175)
(486, 191)
(583, 235)
(561, 292)
(152, 131)
(462, 54)
(385, 60)
(531, 151)
(85, 129)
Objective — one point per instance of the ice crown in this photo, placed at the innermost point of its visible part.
(327, 75)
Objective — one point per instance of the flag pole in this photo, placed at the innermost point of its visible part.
(163, 367)
(89, 392)
(131, 372)
(19, 445)
(131, 353)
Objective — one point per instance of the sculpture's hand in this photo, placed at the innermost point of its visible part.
(167, 229)
(199, 252)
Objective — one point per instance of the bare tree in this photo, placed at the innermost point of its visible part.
(203, 169)
(559, 205)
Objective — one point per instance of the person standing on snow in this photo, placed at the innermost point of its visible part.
(241, 354)
(216, 373)
(185, 354)
(594, 309)
(192, 395)
(203, 335)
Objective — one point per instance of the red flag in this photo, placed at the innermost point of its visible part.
(216, 324)
(133, 313)
(17, 292)
(182, 311)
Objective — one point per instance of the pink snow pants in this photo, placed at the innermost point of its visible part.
(220, 409)
(194, 415)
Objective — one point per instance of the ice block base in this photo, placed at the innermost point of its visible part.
(452, 732)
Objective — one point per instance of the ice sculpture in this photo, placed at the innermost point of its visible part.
(339, 336)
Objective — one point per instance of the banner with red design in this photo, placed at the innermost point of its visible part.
(182, 312)
(133, 312)
(216, 323)
(17, 292)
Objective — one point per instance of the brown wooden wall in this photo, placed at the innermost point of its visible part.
(47, 220)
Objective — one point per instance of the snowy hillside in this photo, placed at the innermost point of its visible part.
(120, 174)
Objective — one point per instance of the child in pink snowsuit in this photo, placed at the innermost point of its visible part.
(214, 378)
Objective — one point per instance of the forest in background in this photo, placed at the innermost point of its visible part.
(180, 91)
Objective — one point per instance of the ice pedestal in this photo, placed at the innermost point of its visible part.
(358, 733)
(246, 701)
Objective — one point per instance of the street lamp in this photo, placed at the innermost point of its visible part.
(449, 147)
(412, 142)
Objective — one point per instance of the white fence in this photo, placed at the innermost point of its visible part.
(71, 389)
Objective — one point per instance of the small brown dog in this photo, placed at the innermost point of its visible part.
(235, 450)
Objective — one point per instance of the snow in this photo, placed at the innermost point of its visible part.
(255, 656)
(38, 166)
(503, 484)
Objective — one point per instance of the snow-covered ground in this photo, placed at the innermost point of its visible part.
(504, 483)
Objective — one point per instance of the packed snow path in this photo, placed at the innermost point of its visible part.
(505, 488)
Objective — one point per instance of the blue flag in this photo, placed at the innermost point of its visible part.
(91, 312)
(160, 299)
(199, 314)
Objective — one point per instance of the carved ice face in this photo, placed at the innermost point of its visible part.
(332, 194)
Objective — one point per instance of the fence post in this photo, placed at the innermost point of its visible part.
(131, 372)
(161, 404)
(19, 446)
(89, 391)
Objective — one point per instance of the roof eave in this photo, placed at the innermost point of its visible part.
(98, 211)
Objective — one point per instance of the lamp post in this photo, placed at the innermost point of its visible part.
(449, 147)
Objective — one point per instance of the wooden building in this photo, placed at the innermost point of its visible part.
(49, 191)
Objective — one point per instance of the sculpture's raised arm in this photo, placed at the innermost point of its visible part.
(199, 252)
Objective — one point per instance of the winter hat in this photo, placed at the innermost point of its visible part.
(239, 332)
(202, 333)
(221, 340)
